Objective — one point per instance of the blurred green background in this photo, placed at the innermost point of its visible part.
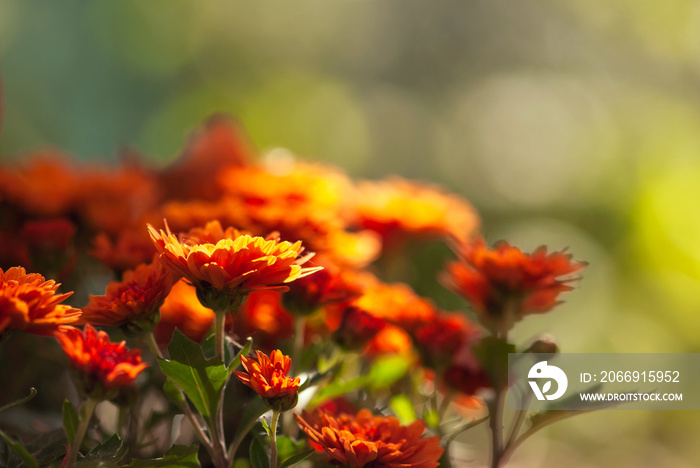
(571, 124)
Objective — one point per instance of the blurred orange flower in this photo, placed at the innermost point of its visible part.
(269, 377)
(232, 267)
(396, 303)
(220, 143)
(112, 198)
(503, 284)
(133, 302)
(287, 181)
(263, 317)
(129, 249)
(397, 208)
(45, 186)
(102, 365)
(28, 302)
(390, 340)
(182, 310)
(373, 441)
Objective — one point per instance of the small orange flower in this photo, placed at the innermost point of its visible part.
(132, 302)
(503, 284)
(372, 441)
(226, 271)
(28, 302)
(103, 366)
(269, 377)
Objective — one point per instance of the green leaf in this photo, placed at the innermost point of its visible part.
(21, 401)
(20, 451)
(402, 407)
(265, 426)
(171, 391)
(286, 447)
(233, 365)
(431, 418)
(201, 379)
(299, 457)
(258, 455)
(70, 420)
(177, 456)
(387, 370)
(492, 354)
(111, 450)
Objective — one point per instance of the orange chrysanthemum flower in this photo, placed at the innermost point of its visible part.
(503, 284)
(269, 377)
(372, 441)
(226, 271)
(133, 302)
(320, 231)
(103, 366)
(397, 208)
(28, 302)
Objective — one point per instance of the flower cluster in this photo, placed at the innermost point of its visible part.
(289, 269)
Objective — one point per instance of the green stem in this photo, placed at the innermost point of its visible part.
(496, 424)
(86, 411)
(273, 438)
(153, 346)
(288, 424)
(219, 338)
